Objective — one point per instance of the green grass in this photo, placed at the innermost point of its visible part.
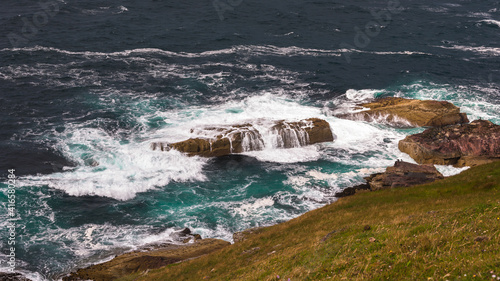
(446, 230)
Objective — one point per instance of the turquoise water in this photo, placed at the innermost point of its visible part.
(137, 196)
(84, 97)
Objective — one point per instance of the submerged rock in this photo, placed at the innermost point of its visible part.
(460, 145)
(409, 113)
(142, 261)
(403, 174)
(220, 141)
(12, 277)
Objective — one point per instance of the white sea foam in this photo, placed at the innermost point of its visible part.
(348, 103)
(490, 51)
(106, 167)
(297, 181)
(384, 53)
(243, 50)
(252, 50)
(361, 95)
(262, 110)
(121, 9)
(289, 155)
(321, 176)
(249, 208)
(491, 22)
(448, 170)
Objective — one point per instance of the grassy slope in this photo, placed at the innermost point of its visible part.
(427, 232)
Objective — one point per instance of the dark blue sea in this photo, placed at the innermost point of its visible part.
(86, 86)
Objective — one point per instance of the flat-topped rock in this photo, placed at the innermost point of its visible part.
(460, 145)
(403, 174)
(403, 112)
(219, 141)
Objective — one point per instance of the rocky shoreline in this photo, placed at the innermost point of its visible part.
(150, 257)
(450, 140)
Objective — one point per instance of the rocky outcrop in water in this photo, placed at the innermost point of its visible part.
(460, 145)
(220, 141)
(409, 113)
(141, 261)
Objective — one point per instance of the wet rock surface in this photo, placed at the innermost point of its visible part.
(220, 141)
(402, 112)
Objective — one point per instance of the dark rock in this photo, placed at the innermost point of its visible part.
(12, 277)
(367, 227)
(459, 145)
(220, 141)
(185, 231)
(403, 174)
(409, 112)
(352, 190)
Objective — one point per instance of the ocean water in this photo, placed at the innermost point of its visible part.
(87, 82)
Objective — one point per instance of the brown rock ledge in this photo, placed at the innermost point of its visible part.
(409, 112)
(401, 174)
(459, 145)
(404, 174)
(244, 137)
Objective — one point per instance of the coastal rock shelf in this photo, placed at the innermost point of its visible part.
(220, 141)
(149, 258)
(408, 113)
(402, 174)
(459, 145)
